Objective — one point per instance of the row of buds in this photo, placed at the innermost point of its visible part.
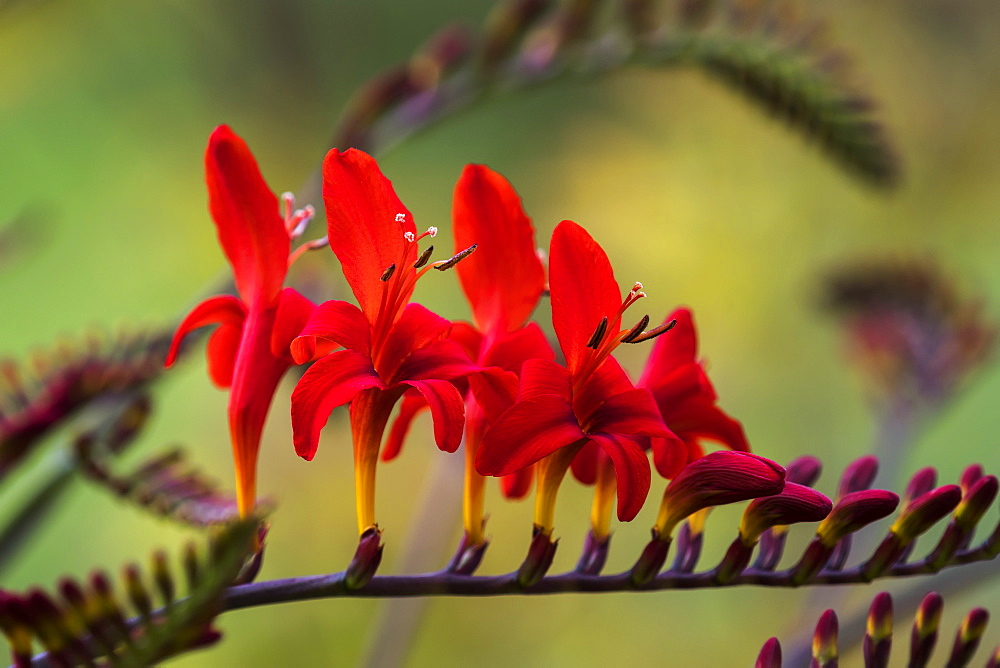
(877, 643)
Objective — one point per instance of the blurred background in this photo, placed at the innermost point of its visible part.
(105, 108)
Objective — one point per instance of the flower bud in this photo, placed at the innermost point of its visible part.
(15, 627)
(690, 539)
(922, 482)
(803, 470)
(735, 562)
(855, 511)
(770, 655)
(717, 479)
(136, 590)
(970, 476)
(968, 637)
(795, 503)
(859, 475)
(925, 629)
(978, 499)
(878, 632)
(824, 645)
(162, 578)
(366, 559)
(925, 511)
(539, 559)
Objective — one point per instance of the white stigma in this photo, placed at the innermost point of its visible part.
(637, 287)
(409, 236)
(432, 231)
(401, 218)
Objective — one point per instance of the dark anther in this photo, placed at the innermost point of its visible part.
(389, 271)
(424, 257)
(595, 338)
(653, 333)
(635, 331)
(456, 258)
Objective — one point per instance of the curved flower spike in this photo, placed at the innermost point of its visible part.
(248, 351)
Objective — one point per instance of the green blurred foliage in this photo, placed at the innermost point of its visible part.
(104, 110)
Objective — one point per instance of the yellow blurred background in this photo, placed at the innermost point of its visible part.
(105, 107)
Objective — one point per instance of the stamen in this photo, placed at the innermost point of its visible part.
(307, 246)
(300, 220)
(400, 217)
(635, 331)
(637, 287)
(387, 274)
(595, 338)
(424, 257)
(409, 236)
(432, 231)
(456, 258)
(288, 200)
(653, 333)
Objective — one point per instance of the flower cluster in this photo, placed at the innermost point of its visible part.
(524, 410)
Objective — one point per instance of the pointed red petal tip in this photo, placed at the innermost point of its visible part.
(926, 510)
(716, 479)
(504, 279)
(247, 216)
(770, 655)
(583, 290)
(366, 224)
(796, 503)
(673, 351)
(854, 511)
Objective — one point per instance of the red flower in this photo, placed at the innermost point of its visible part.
(686, 399)
(590, 402)
(248, 352)
(390, 346)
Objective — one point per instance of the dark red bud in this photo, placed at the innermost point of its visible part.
(923, 638)
(859, 475)
(735, 562)
(795, 503)
(968, 637)
(770, 655)
(970, 476)
(878, 632)
(366, 559)
(824, 645)
(854, 511)
(925, 511)
(922, 482)
(803, 470)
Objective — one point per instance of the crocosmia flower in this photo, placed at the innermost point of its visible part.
(249, 350)
(686, 399)
(590, 402)
(389, 344)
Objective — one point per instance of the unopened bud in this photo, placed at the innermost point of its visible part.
(979, 497)
(366, 559)
(770, 655)
(859, 475)
(15, 627)
(855, 511)
(922, 482)
(923, 638)
(878, 632)
(717, 479)
(925, 511)
(735, 562)
(803, 470)
(540, 554)
(795, 503)
(970, 476)
(161, 576)
(824, 645)
(136, 590)
(968, 637)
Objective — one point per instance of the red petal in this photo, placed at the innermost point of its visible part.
(229, 313)
(447, 411)
(518, 484)
(503, 279)
(530, 430)
(684, 382)
(630, 413)
(702, 419)
(584, 465)
(294, 312)
(495, 391)
(631, 472)
(583, 289)
(676, 347)
(333, 323)
(444, 360)
(415, 329)
(411, 406)
(251, 229)
(542, 377)
(468, 337)
(361, 210)
(509, 351)
(330, 382)
(609, 380)
(670, 455)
